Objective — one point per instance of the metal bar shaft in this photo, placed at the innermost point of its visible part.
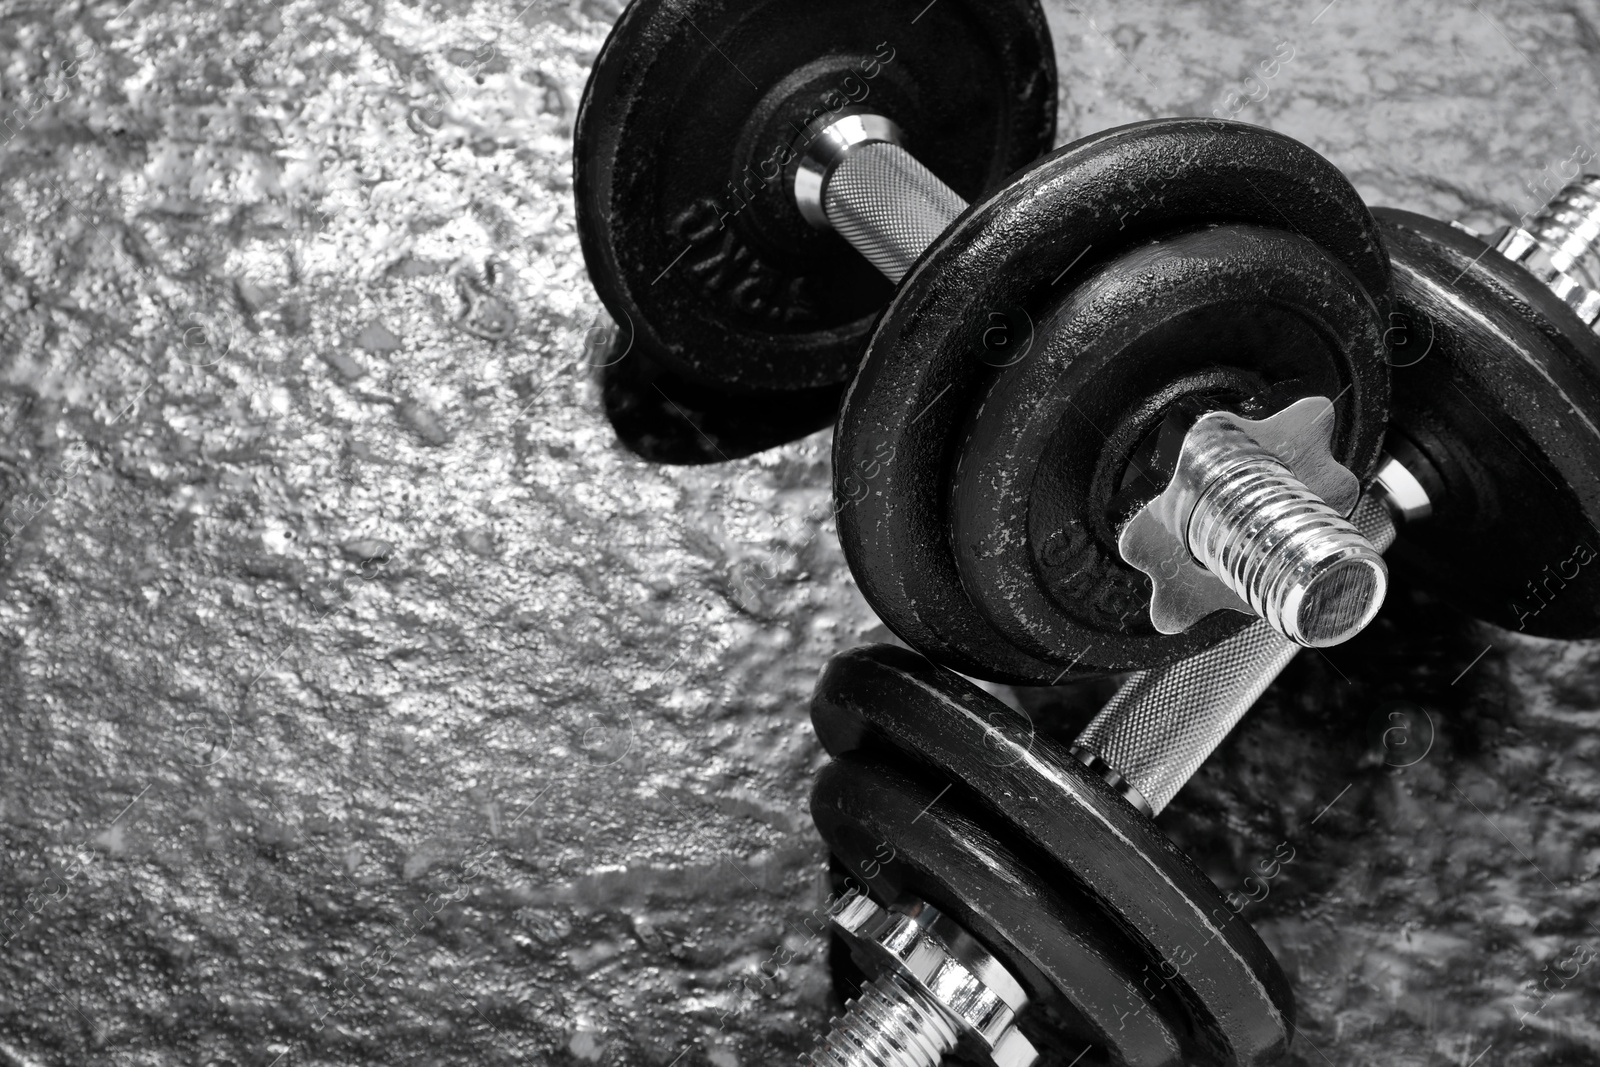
(854, 177)
(888, 205)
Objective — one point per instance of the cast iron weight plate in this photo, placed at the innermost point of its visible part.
(1066, 216)
(888, 703)
(1497, 385)
(897, 834)
(693, 107)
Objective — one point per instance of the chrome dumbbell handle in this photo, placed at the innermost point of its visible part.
(854, 177)
(1163, 723)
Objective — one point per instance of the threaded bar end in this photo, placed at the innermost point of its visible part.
(1298, 563)
(1568, 228)
(891, 1024)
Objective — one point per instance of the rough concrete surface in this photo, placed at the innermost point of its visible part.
(365, 703)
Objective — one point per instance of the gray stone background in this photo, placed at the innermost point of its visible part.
(364, 703)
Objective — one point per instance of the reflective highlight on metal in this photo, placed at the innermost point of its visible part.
(853, 177)
(939, 983)
(1084, 752)
(891, 1024)
(828, 141)
(1253, 521)
(1402, 492)
(1561, 247)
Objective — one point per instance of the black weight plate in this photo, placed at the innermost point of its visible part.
(886, 701)
(1060, 453)
(687, 225)
(1081, 205)
(1497, 384)
(899, 834)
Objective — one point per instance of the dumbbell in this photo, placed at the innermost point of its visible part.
(1205, 302)
(1011, 897)
(1024, 885)
(741, 317)
(1017, 892)
(975, 928)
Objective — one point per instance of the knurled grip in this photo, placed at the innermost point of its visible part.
(889, 206)
(1163, 723)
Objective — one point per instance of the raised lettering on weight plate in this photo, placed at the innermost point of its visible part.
(725, 267)
(1078, 572)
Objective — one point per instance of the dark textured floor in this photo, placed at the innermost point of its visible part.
(365, 704)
